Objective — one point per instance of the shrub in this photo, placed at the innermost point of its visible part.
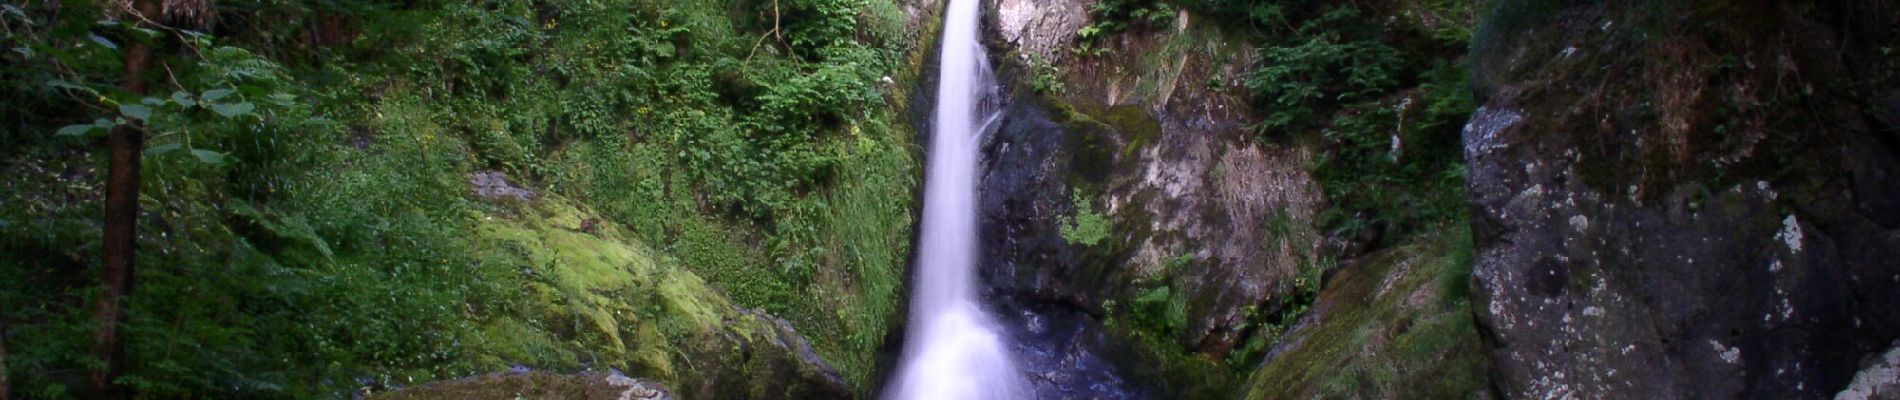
(1300, 83)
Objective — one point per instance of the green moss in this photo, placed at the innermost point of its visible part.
(1137, 126)
(1099, 137)
(1414, 339)
(591, 296)
(512, 341)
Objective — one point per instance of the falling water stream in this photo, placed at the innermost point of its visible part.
(954, 350)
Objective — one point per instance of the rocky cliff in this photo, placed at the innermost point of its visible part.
(1686, 201)
(1146, 140)
(1667, 201)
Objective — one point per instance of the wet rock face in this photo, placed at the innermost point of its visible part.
(1162, 154)
(1667, 284)
(1587, 293)
(1728, 296)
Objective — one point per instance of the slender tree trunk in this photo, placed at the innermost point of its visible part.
(3, 362)
(126, 146)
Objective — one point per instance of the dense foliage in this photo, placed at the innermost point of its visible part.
(307, 217)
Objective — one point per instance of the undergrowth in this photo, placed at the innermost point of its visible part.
(307, 226)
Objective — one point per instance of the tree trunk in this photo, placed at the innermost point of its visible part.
(3, 362)
(126, 146)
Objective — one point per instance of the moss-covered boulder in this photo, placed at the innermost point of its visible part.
(1396, 324)
(587, 296)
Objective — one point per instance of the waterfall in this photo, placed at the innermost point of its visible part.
(953, 349)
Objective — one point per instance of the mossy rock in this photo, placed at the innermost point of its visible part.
(590, 297)
(1396, 324)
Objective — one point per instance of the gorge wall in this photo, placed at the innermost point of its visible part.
(1676, 201)
(1667, 201)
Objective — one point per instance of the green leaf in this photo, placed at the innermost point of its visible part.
(1088, 32)
(183, 99)
(233, 110)
(148, 33)
(76, 130)
(61, 84)
(102, 41)
(215, 94)
(135, 111)
(208, 156)
(162, 149)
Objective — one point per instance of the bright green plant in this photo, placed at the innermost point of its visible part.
(1087, 227)
(1045, 77)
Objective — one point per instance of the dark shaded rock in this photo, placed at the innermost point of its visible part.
(762, 364)
(1632, 243)
(1892, 118)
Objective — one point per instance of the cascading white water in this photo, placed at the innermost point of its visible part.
(953, 350)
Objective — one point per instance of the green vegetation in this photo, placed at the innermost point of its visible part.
(1397, 164)
(1087, 227)
(308, 228)
(1110, 17)
(1045, 78)
(1299, 81)
(1150, 323)
(1387, 110)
